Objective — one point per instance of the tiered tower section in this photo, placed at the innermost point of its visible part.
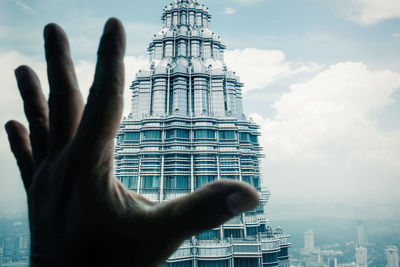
(187, 129)
(187, 75)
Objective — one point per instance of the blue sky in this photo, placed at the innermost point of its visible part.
(322, 78)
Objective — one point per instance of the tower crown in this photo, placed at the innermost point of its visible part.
(186, 74)
(186, 12)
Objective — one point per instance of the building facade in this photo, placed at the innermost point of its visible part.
(332, 262)
(187, 129)
(392, 255)
(308, 241)
(14, 241)
(362, 234)
(361, 257)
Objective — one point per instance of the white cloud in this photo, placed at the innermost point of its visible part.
(396, 35)
(248, 2)
(25, 7)
(373, 11)
(323, 145)
(229, 11)
(261, 68)
(11, 190)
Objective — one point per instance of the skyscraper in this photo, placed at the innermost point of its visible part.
(361, 233)
(308, 241)
(392, 254)
(332, 262)
(186, 129)
(361, 257)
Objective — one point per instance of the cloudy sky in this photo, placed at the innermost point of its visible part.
(322, 79)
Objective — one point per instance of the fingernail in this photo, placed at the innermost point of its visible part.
(238, 203)
(110, 26)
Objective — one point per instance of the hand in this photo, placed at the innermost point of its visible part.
(80, 215)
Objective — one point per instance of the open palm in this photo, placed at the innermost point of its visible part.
(80, 215)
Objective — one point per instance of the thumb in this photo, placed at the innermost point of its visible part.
(206, 208)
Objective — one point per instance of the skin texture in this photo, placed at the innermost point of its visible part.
(80, 215)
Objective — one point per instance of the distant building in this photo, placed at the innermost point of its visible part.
(352, 264)
(315, 257)
(361, 234)
(361, 257)
(332, 262)
(392, 254)
(14, 242)
(311, 256)
(308, 241)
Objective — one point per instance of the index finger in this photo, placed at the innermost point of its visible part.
(103, 111)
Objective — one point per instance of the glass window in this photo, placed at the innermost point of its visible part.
(177, 133)
(205, 169)
(150, 170)
(130, 182)
(195, 49)
(256, 182)
(247, 179)
(182, 47)
(252, 230)
(231, 177)
(205, 163)
(202, 156)
(158, 53)
(155, 157)
(244, 137)
(214, 263)
(177, 182)
(191, 19)
(150, 182)
(183, 18)
(209, 235)
(227, 135)
(202, 180)
(234, 233)
(207, 50)
(284, 252)
(168, 49)
(225, 163)
(246, 262)
(152, 135)
(204, 134)
(175, 19)
(179, 264)
(260, 207)
(228, 157)
(270, 257)
(134, 136)
(254, 139)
